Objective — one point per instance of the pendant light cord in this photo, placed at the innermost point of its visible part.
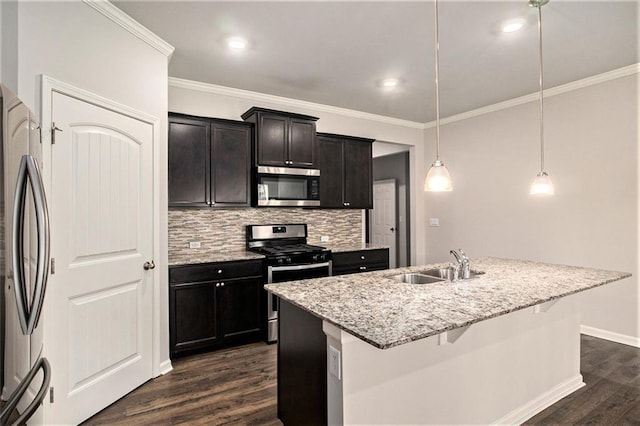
(437, 85)
(541, 88)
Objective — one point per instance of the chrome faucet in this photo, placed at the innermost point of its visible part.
(464, 268)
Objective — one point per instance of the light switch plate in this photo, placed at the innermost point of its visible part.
(324, 238)
(434, 221)
(194, 244)
(334, 362)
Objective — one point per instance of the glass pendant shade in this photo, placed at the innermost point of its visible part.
(438, 179)
(541, 185)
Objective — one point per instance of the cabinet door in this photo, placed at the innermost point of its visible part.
(192, 316)
(272, 140)
(239, 307)
(302, 143)
(358, 181)
(188, 172)
(331, 171)
(230, 164)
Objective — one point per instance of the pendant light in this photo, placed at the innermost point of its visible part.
(438, 179)
(542, 184)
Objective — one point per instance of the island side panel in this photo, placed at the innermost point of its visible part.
(302, 372)
(502, 370)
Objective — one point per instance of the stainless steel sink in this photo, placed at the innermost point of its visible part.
(447, 273)
(415, 278)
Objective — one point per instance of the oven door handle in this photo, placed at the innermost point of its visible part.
(299, 267)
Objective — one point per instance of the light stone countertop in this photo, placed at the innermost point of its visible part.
(388, 313)
(200, 256)
(337, 248)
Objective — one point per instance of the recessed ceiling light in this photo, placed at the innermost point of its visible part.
(390, 82)
(237, 43)
(513, 25)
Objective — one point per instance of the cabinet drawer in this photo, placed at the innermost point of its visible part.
(361, 257)
(215, 271)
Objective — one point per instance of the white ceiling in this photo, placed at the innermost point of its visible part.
(335, 53)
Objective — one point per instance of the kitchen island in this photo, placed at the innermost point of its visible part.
(494, 349)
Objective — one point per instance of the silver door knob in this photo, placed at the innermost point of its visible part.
(149, 265)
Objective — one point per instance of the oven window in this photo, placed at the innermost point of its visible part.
(285, 187)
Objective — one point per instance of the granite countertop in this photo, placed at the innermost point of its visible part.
(388, 313)
(342, 247)
(200, 256)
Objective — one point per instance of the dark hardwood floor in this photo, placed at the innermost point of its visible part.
(238, 386)
(226, 387)
(611, 396)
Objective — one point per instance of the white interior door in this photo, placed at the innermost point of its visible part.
(383, 217)
(102, 234)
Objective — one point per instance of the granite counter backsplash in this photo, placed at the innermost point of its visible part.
(388, 313)
(223, 230)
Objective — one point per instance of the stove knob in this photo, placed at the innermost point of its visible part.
(288, 259)
(316, 257)
(280, 260)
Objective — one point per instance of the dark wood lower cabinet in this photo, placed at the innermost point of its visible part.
(302, 367)
(351, 262)
(193, 313)
(216, 304)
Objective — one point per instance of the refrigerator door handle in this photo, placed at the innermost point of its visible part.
(29, 313)
(17, 395)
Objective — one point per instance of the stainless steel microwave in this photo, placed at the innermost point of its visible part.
(287, 187)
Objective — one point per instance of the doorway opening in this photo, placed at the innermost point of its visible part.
(387, 168)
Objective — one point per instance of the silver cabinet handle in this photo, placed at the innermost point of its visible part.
(219, 271)
(29, 174)
(149, 265)
(363, 268)
(362, 257)
(221, 284)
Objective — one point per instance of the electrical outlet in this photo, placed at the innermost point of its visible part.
(324, 238)
(194, 244)
(334, 362)
(434, 221)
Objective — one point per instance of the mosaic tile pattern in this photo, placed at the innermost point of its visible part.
(388, 313)
(223, 230)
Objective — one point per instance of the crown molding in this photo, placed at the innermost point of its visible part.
(263, 97)
(554, 91)
(116, 15)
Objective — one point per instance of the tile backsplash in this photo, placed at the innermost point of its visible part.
(224, 229)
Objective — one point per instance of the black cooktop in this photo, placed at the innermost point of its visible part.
(287, 249)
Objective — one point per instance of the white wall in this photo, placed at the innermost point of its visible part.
(74, 43)
(9, 44)
(591, 146)
(202, 101)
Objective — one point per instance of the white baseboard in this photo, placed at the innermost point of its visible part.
(165, 367)
(547, 399)
(610, 335)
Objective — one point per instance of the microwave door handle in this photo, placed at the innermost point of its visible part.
(43, 232)
(17, 245)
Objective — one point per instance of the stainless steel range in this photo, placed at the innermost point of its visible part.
(288, 258)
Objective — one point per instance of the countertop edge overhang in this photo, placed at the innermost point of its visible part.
(386, 313)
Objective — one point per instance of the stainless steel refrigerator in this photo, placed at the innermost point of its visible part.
(24, 262)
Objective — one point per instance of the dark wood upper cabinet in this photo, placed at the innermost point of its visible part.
(209, 162)
(283, 139)
(346, 179)
(230, 164)
(189, 165)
